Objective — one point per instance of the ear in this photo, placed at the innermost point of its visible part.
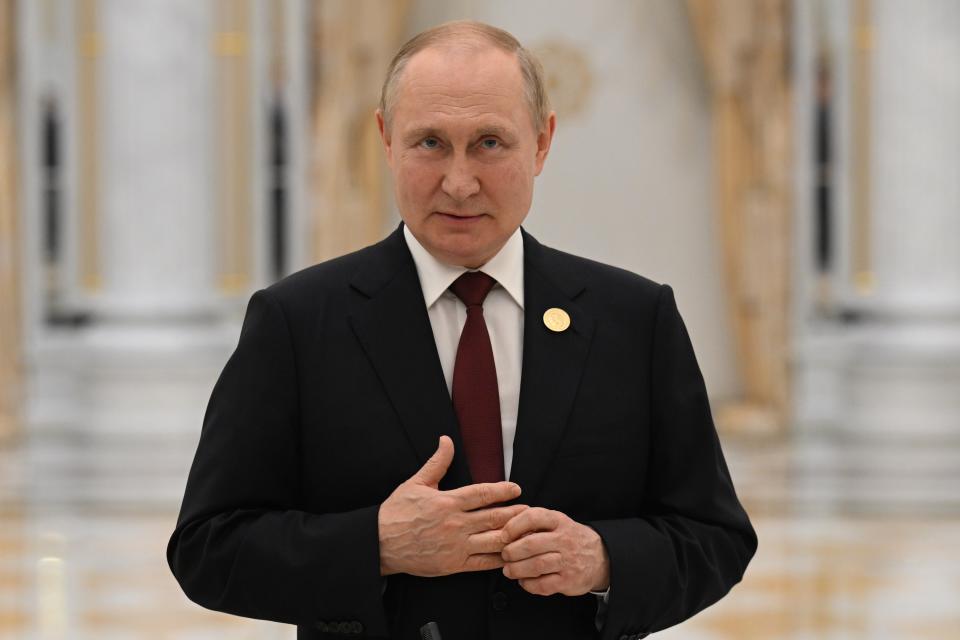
(384, 137)
(544, 138)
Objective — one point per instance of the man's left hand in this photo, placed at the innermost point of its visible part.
(549, 553)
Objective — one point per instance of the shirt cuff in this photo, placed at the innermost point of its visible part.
(605, 594)
(601, 615)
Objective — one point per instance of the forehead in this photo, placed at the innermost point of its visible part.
(454, 84)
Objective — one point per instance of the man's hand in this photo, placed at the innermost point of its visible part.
(550, 553)
(428, 532)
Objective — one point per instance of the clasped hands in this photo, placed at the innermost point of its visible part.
(427, 532)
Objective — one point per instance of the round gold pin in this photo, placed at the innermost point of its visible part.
(556, 319)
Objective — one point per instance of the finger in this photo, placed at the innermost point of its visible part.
(543, 586)
(533, 519)
(531, 545)
(485, 542)
(539, 565)
(484, 494)
(483, 562)
(436, 467)
(492, 517)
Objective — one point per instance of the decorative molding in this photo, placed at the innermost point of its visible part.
(234, 144)
(11, 363)
(745, 46)
(862, 40)
(353, 43)
(568, 76)
(89, 48)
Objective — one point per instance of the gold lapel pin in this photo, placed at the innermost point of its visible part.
(556, 319)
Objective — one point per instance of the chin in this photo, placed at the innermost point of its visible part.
(462, 255)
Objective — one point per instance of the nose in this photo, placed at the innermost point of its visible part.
(459, 180)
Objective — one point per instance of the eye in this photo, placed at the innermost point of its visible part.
(490, 143)
(430, 143)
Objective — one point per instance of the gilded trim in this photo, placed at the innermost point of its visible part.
(89, 47)
(231, 51)
(861, 220)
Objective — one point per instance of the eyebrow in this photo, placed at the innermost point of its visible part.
(487, 130)
(494, 130)
(420, 132)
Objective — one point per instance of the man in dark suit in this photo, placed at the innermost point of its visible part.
(459, 424)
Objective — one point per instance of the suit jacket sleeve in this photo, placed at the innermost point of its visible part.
(242, 544)
(692, 540)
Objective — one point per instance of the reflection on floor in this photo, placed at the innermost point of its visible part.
(72, 567)
(104, 576)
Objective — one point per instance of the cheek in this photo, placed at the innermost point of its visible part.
(414, 182)
(511, 184)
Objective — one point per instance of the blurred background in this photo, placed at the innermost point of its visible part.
(790, 168)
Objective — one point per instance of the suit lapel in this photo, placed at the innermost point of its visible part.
(394, 331)
(552, 364)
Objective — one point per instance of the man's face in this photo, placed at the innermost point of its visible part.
(463, 151)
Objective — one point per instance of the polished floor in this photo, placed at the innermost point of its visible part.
(100, 574)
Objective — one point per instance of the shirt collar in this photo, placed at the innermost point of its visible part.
(506, 267)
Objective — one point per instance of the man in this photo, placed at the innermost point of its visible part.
(458, 424)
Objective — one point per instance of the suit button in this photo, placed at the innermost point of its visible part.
(498, 601)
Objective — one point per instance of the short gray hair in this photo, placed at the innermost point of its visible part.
(458, 32)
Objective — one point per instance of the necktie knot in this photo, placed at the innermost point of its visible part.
(472, 287)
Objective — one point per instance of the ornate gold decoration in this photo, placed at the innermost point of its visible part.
(353, 43)
(88, 143)
(233, 150)
(11, 364)
(863, 277)
(567, 76)
(745, 46)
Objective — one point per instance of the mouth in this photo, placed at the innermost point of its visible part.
(460, 218)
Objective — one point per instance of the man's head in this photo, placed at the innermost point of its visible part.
(466, 127)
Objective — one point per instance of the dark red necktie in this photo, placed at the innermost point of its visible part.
(476, 396)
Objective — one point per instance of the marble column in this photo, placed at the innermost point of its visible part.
(125, 392)
(155, 104)
(915, 179)
(877, 402)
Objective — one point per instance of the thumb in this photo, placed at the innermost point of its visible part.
(436, 467)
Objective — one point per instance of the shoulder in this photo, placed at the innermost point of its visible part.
(625, 302)
(327, 284)
(332, 273)
(600, 280)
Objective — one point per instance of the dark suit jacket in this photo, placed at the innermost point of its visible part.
(335, 395)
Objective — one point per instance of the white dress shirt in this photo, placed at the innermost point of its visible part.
(502, 312)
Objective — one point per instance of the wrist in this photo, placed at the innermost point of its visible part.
(601, 577)
(386, 567)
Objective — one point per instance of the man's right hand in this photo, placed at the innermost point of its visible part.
(428, 532)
